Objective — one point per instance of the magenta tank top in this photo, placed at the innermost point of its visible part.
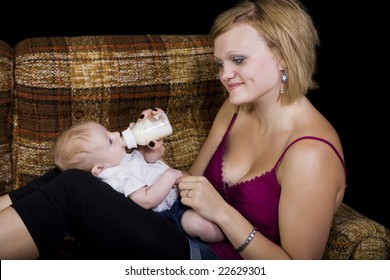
(256, 199)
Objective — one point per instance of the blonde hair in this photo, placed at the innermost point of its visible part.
(289, 32)
(72, 150)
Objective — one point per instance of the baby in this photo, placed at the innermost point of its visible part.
(89, 146)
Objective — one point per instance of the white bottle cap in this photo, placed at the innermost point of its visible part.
(129, 138)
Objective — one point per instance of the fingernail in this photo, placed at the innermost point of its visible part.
(154, 109)
(151, 144)
(141, 116)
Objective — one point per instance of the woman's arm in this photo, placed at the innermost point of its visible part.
(312, 180)
(208, 203)
(313, 183)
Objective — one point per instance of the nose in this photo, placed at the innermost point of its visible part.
(226, 73)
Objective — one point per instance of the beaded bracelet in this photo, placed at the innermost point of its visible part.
(247, 241)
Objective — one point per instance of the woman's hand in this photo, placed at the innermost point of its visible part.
(198, 193)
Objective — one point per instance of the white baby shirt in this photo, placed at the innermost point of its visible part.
(134, 173)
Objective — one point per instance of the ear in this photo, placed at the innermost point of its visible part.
(282, 65)
(279, 60)
(97, 169)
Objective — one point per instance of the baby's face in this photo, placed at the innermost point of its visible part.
(108, 146)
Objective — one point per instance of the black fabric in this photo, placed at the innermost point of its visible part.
(108, 225)
(33, 185)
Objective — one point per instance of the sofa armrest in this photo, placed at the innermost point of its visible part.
(354, 236)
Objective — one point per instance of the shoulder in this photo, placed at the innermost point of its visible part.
(311, 148)
(314, 138)
(312, 161)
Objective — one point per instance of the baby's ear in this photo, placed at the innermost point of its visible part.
(97, 169)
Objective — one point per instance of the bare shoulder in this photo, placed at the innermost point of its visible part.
(314, 155)
(313, 149)
(315, 144)
(322, 133)
(313, 163)
(312, 179)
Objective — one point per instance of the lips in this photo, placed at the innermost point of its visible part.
(233, 86)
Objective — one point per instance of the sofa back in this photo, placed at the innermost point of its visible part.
(6, 85)
(110, 79)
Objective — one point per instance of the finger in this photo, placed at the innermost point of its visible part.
(183, 186)
(187, 179)
(155, 145)
(157, 110)
(185, 193)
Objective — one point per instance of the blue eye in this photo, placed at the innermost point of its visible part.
(238, 59)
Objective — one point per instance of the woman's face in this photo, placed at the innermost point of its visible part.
(247, 67)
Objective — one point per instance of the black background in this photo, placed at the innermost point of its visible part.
(351, 70)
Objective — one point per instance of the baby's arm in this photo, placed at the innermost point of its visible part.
(151, 196)
(152, 154)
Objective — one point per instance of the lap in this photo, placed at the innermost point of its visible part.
(105, 221)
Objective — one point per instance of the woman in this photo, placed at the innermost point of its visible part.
(271, 173)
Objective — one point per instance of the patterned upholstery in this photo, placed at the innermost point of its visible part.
(6, 84)
(111, 79)
(46, 84)
(354, 236)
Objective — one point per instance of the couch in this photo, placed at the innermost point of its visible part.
(48, 83)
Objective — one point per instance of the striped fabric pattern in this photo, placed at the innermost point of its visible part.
(355, 237)
(6, 83)
(111, 79)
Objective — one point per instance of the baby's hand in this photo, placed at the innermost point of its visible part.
(153, 152)
(175, 174)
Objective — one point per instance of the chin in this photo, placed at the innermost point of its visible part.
(235, 101)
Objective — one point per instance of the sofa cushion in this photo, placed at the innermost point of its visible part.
(111, 79)
(6, 83)
(354, 236)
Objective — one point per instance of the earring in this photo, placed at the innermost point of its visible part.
(284, 80)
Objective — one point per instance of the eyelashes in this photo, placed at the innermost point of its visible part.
(237, 60)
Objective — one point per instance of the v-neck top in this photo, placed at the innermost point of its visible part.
(257, 199)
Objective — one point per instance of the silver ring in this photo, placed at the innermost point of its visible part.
(187, 191)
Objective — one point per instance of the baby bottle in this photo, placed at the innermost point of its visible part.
(148, 129)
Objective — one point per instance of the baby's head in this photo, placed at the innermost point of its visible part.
(88, 146)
